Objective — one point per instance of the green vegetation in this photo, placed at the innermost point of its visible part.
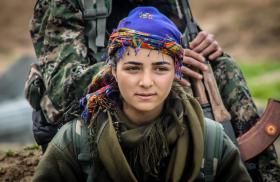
(251, 70)
(32, 147)
(263, 80)
(10, 153)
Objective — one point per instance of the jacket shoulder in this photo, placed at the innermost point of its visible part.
(226, 161)
(65, 135)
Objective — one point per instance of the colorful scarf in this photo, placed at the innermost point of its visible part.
(122, 38)
(183, 136)
(102, 92)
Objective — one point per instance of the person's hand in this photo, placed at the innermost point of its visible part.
(205, 44)
(192, 61)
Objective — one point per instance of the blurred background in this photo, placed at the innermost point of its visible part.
(249, 30)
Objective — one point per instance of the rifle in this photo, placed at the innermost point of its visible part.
(267, 127)
(263, 133)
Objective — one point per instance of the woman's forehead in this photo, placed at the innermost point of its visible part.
(146, 56)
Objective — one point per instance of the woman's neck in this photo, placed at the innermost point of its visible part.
(141, 117)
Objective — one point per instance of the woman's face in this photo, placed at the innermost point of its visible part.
(144, 79)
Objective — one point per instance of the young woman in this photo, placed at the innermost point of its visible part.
(138, 124)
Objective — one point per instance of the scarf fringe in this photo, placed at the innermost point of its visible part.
(150, 153)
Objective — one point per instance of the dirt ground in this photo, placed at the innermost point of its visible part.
(18, 165)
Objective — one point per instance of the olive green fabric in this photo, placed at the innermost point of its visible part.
(146, 145)
(59, 163)
(111, 154)
(185, 157)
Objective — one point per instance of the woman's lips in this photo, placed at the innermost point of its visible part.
(145, 96)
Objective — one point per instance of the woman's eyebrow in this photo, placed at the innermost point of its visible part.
(133, 62)
(161, 63)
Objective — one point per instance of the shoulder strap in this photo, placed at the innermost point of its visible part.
(95, 13)
(213, 146)
(82, 149)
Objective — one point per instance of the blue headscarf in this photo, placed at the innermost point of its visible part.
(150, 20)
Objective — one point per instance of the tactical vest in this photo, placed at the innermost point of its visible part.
(213, 148)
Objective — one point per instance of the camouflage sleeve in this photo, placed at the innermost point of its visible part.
(57, 31)
(235, 94)
(238, 101)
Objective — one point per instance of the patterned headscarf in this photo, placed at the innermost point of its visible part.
(123, 38)
(144, 27)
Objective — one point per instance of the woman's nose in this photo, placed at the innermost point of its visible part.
(146, 80)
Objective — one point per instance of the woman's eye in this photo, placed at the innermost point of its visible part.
(161, 69)
(132, 68)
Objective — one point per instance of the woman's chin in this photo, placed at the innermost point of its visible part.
(146, 107)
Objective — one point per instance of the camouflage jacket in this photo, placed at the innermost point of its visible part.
(65, 70)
